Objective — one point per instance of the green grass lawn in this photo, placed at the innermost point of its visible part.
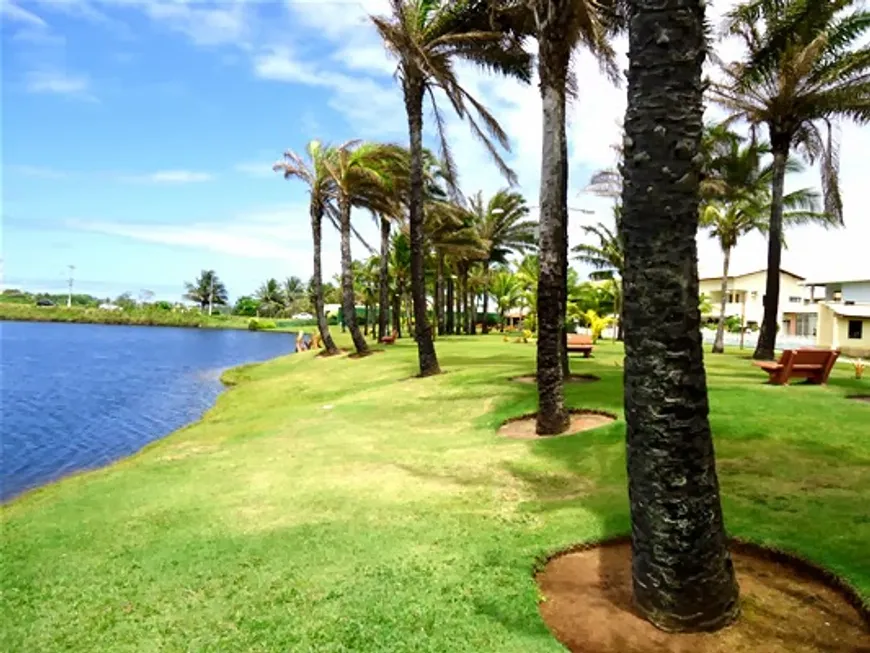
(340, 505)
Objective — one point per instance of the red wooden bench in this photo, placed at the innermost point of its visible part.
(814, 365)
(578, 343)
(390, 339)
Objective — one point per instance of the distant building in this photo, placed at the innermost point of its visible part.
(796, 314)
(844, 315)
(109, 307)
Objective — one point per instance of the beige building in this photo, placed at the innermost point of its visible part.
(844, 315)
(796, 315)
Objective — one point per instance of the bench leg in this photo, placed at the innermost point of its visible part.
(587, 354)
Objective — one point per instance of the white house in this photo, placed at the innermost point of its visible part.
(796, 314)
(844, 315)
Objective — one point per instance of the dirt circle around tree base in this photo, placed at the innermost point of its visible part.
(859, 398)
(787, 606)
(523, 428)
(572, 378)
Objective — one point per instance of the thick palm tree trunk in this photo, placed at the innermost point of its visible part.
(427, 358)
(317, 283)
(384, 280)
(348, 297)
(682, 572)
(554, 55)
(764, 350)
(719, 342)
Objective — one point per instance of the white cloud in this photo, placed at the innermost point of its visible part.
(40, 172)
(12, 12)
(170, 177)
(207, 25)
(279, 233)
(58, 83)
(256, 169)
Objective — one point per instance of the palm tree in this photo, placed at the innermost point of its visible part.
(272, 298)
(207, 290)
(504, 229)
(507, 292)
(683, 576)
(529, 275)
(451, 231)
(806, 66)
(314, 174)
(607, 257)
(426, 37)
(737, 193)
(362, 175)
(559, 26)
(293, 290)
(400, 274)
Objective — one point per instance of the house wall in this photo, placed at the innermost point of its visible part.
(752, 287)
(852, 346)
(825, 333)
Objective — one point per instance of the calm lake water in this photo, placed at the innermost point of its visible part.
(77, 396)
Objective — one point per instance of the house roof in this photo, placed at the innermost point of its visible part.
(834, 282)
(746, 274)
(851, 310)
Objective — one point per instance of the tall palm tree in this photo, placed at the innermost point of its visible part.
(313, 173)
(362, 175)
(806, 66)
(683, 576)
(207, 290)
(736, 192)
(559, 26)
(427, 37)
(272, 298)
(504, 229)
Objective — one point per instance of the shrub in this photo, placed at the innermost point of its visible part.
(257, 324)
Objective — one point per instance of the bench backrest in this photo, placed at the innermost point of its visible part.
(579, 339)
(812, 357)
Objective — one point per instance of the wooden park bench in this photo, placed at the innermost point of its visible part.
(578, 343)
(814, 365)
(390, 339)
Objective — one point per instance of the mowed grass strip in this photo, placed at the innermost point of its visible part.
(342, 505)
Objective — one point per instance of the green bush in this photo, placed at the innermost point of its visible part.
(259, 324)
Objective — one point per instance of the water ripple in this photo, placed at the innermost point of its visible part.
(77, 396)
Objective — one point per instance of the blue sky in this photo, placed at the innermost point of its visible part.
(139, 135)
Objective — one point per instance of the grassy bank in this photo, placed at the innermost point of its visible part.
(340, 505)
(144, 317)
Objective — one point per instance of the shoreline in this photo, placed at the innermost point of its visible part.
(227, 381)
(145, 319)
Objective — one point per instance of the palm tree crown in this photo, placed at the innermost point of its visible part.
(206, 289)
(425, 36)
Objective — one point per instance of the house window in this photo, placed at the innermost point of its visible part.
(856, 329)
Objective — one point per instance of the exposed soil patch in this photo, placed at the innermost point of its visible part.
(523, 428)
(859, 398)
(787, 607)
(573, 378)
